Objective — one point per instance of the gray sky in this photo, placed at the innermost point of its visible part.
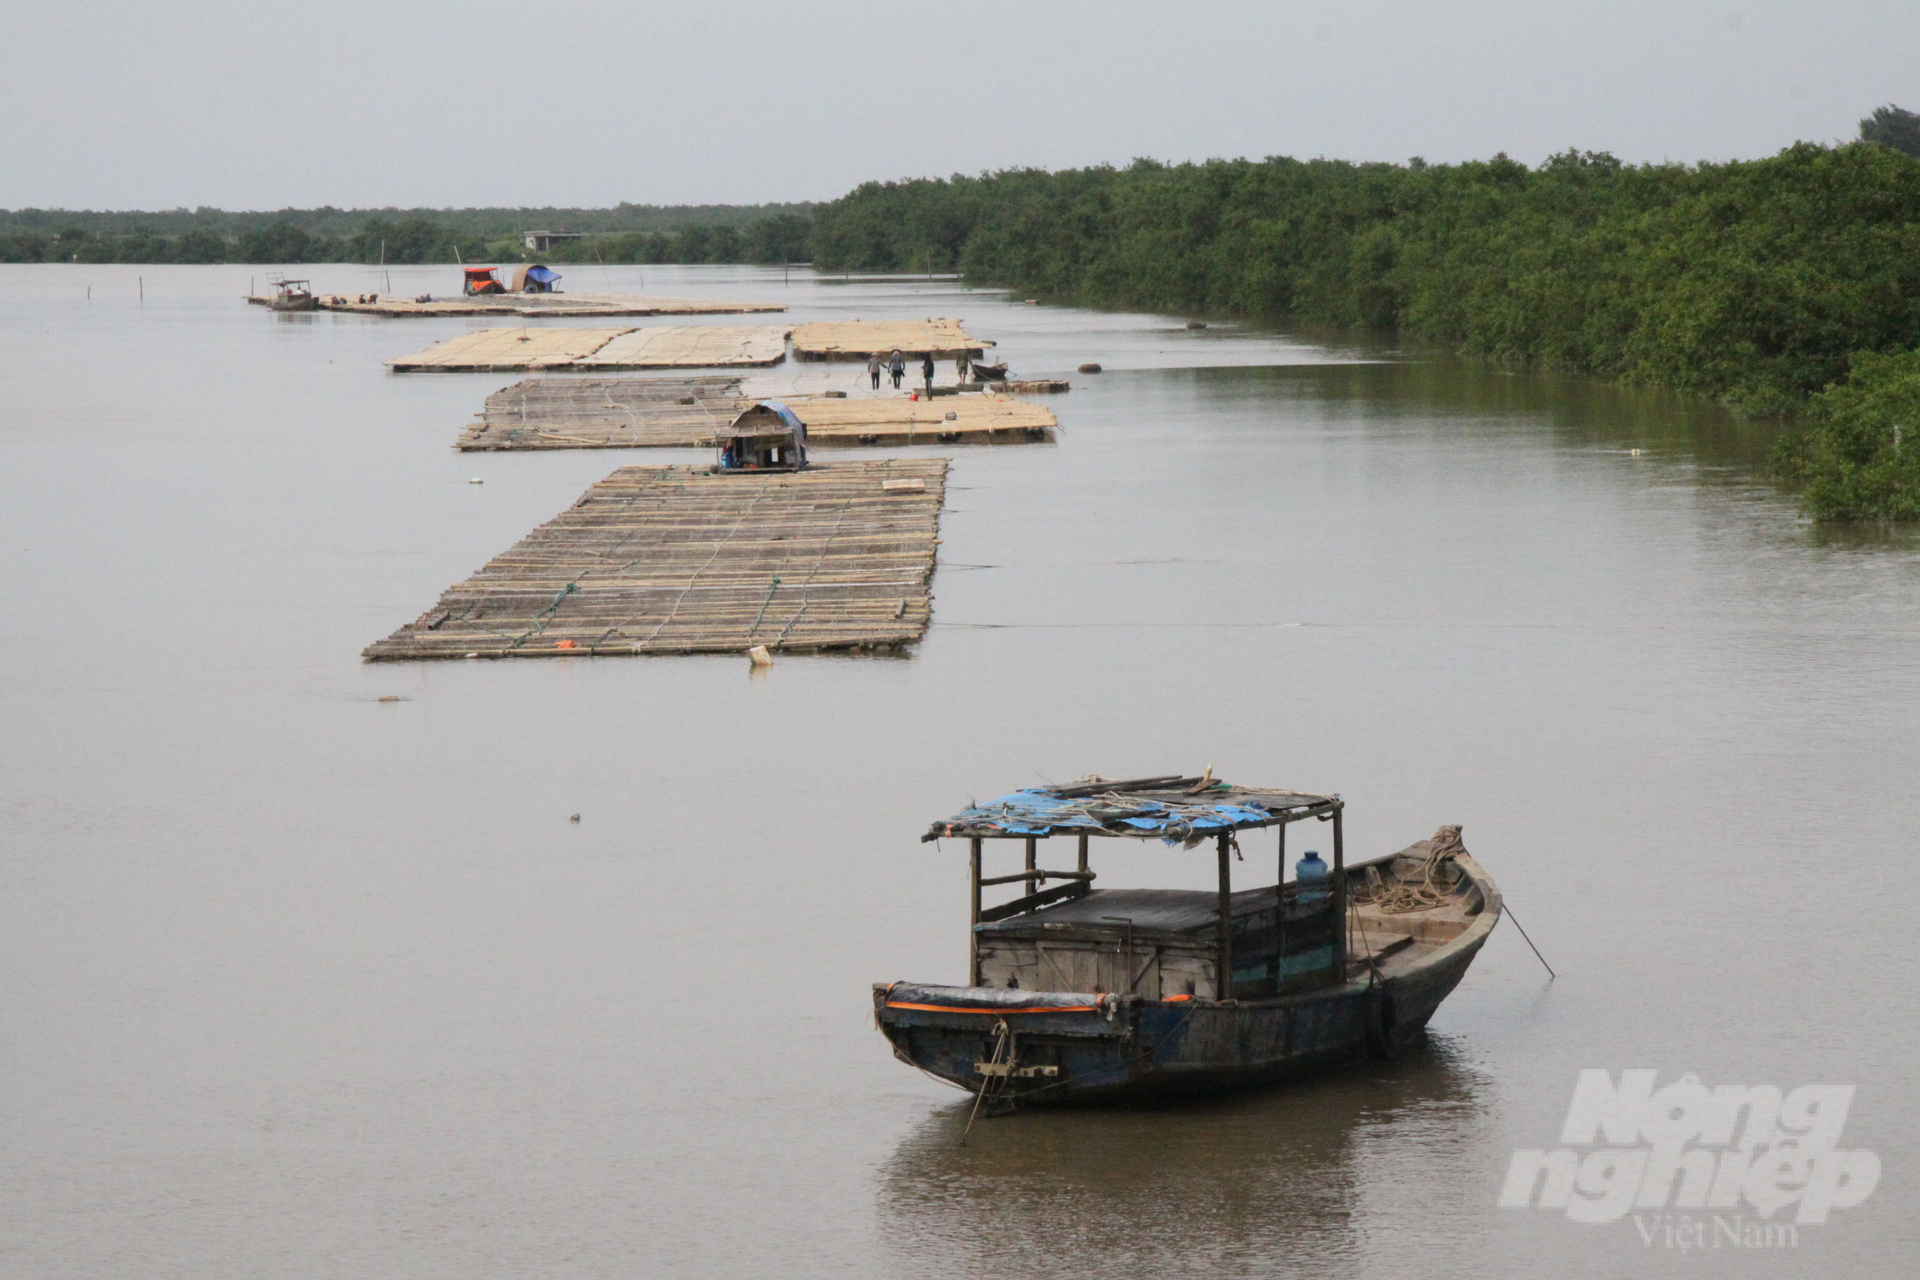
(259, 106)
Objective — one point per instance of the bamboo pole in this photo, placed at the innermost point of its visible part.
(1280, 919)
(1340, 894)
(1223, 983)
(973, 926)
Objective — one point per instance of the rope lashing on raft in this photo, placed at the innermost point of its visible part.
(541, 619)
(1430, 887)
(773, 587)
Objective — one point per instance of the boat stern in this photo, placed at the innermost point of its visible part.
(1010, 1044)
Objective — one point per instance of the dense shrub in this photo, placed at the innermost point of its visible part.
(1859, 458)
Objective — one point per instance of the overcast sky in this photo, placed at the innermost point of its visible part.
(263, 106)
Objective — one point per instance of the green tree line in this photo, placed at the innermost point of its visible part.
(1753, 282)
(780, 236)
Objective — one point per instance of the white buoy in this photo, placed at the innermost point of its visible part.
(478, 480)
(759, 656)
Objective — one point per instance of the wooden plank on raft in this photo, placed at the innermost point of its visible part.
(623, 413)
(683, 560)
(858, 339)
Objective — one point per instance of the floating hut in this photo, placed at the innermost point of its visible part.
(764, 437)
(537, 278)
(658, 560)
(481, 280)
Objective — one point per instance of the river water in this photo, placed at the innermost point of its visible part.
(296, 982)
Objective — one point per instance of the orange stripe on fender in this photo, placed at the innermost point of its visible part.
(1036, 1008)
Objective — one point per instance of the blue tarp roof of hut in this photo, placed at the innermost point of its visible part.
(543, 275)
(1175, 817)
(792, 419)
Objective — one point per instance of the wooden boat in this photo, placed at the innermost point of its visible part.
(1084, 995)
(987, 372)
(294, 295)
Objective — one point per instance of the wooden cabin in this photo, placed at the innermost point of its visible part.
(765, 437)
(1159, 944)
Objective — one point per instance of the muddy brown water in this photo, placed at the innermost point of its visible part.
(298, 982)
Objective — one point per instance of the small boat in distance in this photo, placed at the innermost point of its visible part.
(1081, 995)
(294, 295)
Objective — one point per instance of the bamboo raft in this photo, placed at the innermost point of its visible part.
(533, 304)
(684, 413)
(663, 347)
(859, 339)
(691, 347)
(683, 560)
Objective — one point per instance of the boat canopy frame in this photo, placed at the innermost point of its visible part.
(1178, 810)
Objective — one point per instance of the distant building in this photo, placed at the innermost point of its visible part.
(541, 241)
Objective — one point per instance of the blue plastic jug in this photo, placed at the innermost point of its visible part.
(1313, 878)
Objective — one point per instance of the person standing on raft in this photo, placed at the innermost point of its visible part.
(926, 370)
(873, 368)
(897, 366)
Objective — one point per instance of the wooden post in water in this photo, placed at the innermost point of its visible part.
(1033, 883)
(973, 935)
(1340, 897)
(1083, 851)
(1223, 962)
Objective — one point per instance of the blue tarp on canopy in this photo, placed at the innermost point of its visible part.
(1041, 813)
(543, 275)
(791, 418)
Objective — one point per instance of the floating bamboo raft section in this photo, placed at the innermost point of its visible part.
(858, 339)
(684, 413)
(690, 347)
(664, 347)
(683, 560)
(533, 304)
